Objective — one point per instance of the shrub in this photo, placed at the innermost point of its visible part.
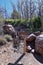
(37, 23)
(17, 22)
(2, 41)
(8, 37)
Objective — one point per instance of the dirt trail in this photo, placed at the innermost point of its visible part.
(7, 55)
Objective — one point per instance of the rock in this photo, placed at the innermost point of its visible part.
(32, 51)
(20, 62)
(41, 32)
(23, 34)
(29, 48)
(37, 33)
(39, 44)
(9, 29)
(30, 42)
(31, 37)
(4, 51)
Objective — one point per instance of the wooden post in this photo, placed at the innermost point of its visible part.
(25, 46)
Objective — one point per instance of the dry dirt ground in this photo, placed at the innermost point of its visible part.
(7, 55)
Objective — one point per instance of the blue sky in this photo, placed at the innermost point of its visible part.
(8, 4)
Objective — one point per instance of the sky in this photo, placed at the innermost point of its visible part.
(7, 4)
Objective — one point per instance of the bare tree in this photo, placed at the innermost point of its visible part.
(20, 5)
(24, 6)
(40, 7)
(26, 9)
(32, 10)
(15, 14)
(2, 12)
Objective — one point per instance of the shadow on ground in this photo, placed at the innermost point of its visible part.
(38, 57)
(16, 63)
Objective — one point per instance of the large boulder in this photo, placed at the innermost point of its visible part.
(39, 44)
(31, 37)
(37, 33)
(9, 29)
(30, 42)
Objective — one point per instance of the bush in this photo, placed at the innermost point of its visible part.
(17, 22)
(8, 37)
(13, 22)
(2, 41)
(37, 23)
(26, 24)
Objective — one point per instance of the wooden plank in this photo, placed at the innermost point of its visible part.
(25, 46)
